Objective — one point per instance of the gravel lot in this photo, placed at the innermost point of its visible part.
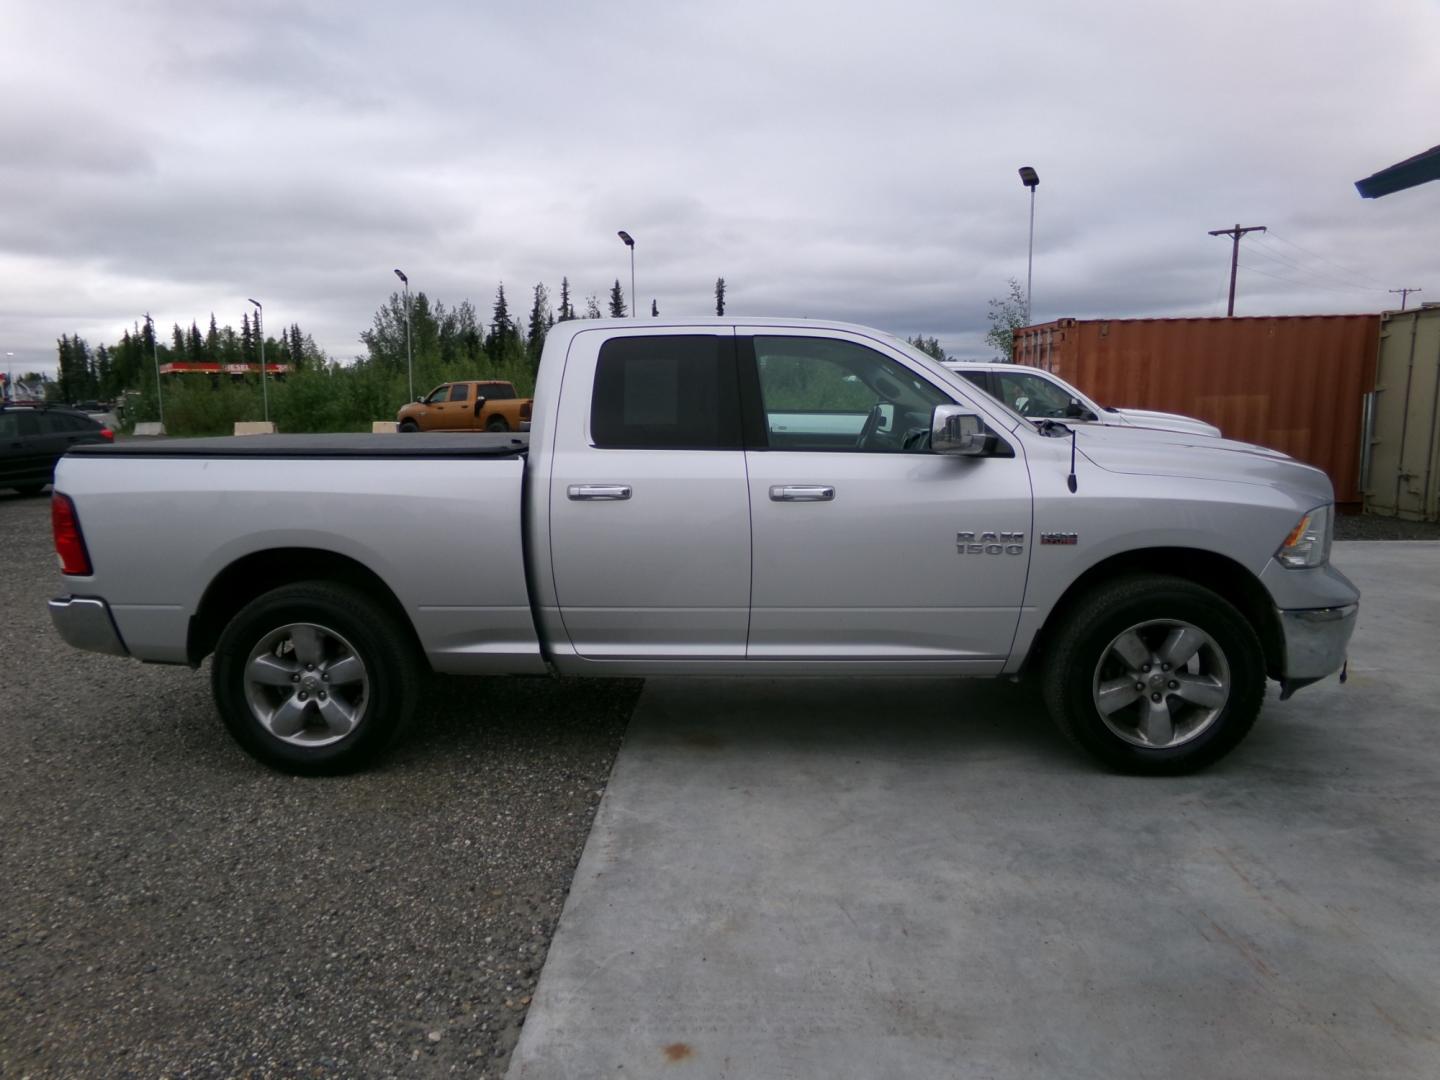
(170, 908)
(1374, 527)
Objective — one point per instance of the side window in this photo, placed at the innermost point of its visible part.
(498, 391)
(976, 377)
(29, 424)
(437, 395)
(1030, 395)
(675, 393)
(460, 391)
(9, 426)
(823, 394)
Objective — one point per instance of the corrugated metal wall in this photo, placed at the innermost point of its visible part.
(1403, 478)
(1295, 383)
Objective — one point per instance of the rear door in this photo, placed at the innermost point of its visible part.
(649, 508)
(866, 545)
(20, 460)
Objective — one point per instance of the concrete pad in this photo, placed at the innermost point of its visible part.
(384, 427)
(918, 879)
(254, 427)
(149, 428)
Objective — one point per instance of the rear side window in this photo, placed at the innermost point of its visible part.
(673, 393)
(460, 391)
(497, 391)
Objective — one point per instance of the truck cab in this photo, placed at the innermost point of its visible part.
(467, 405)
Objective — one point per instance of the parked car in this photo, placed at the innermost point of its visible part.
(1038, 394)
(473, 405)
(33, 438)
(715, 497)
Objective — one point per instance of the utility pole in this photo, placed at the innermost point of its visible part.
(1405, 295)
(1237, 232)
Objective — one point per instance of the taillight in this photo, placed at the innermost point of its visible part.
(69, 543)
(525, 411)
(107, 434)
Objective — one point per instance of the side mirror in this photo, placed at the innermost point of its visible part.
(955, 431)
(420, 401)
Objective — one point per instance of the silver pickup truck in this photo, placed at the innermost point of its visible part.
(715, 497)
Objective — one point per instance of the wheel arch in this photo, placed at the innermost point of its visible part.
(1219, 573)
(257, 573)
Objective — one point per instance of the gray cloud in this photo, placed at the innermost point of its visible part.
(838, 160)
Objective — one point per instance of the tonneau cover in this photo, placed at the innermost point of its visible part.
(410, 445)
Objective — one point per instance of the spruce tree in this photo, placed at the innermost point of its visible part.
(719, 296)
(654, 310)
(247, 340)
(195, 350)
(540, 319)
(617, 301)
(567, 309)
(212, 339)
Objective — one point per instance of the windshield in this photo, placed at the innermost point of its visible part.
(931, 364)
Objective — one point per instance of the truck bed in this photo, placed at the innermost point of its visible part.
(440, 444)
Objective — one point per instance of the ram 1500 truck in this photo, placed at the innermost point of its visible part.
(697, 498)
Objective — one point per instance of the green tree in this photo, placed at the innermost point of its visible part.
(503, 330)
(617, 301)
(248, 352)
(194, 345)
(719, 296)
(592, 308)
(567, 309)
(929, 346)
(1007, 314)
(212, 339)
(540, 322)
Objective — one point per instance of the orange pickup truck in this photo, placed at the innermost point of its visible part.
(476, 405)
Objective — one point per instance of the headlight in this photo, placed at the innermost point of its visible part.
(1308, 544)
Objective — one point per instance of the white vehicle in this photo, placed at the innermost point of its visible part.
(1042, 396)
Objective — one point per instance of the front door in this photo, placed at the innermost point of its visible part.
(649, 511)
(860, 549)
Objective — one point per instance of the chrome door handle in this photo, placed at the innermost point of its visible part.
(598, 492)
(802, 493)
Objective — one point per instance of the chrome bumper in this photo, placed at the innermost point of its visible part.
(1315, 644)
(86, 624)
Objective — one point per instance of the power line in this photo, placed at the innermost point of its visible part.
(1237, 232)
(1339, 289)
(1314, 254)
(1264, 247)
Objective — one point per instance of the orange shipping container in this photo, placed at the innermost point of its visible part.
(1296, 383)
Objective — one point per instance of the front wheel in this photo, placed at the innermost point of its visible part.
(1155, 675)
(314, 678)
(409, 426)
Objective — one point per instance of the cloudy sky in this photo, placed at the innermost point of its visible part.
(836, 159)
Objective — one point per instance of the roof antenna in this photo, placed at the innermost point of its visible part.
(1070, 480)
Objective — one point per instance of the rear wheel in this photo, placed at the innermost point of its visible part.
(497, 423)
(315, 678)
(1155, 675)
(29, 489)
(409, 425)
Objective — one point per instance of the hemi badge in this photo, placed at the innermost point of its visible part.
(1059, 538)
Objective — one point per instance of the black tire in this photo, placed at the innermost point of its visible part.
(497, 423)
(1080, 658)
(355, 624)
(408, 426)
(29, 489)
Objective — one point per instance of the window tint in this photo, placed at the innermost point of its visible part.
(1030, 395)
(460, 391)
(976, 377)
(437, 395)
(823, 394)
(497, 391)
(27, 423)
(9, 426)
(678, 393)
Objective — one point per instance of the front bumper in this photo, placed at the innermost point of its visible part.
(86, 623)
(1315, 644)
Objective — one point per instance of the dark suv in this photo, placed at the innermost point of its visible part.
(34, 437)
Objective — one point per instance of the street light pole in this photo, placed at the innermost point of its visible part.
(155, 346)
(260, 333)
(409, 356)
(630, 243)
(1031, 179)
(10, 376)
